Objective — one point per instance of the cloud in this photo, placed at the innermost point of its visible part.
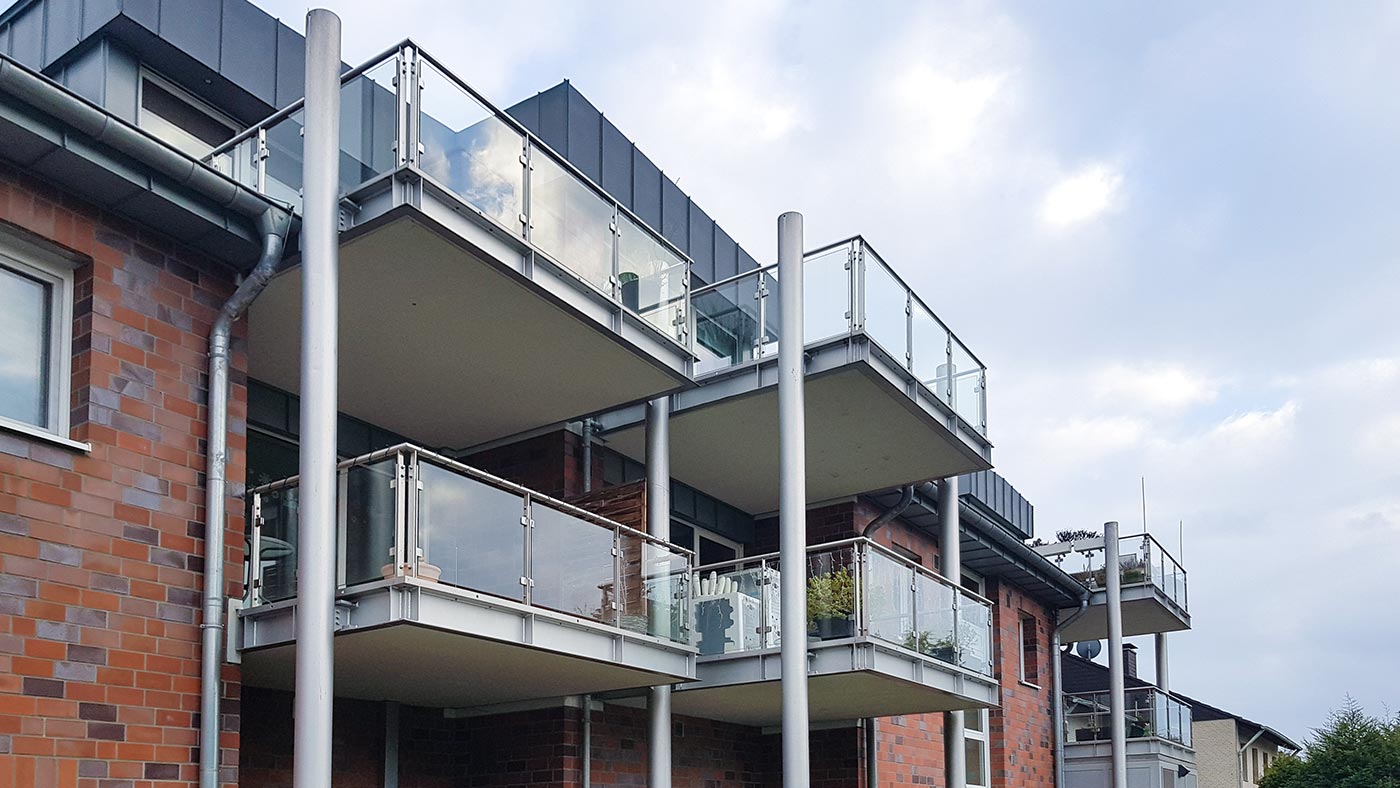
(942, 111)
(1155, 386)
(1081, 197)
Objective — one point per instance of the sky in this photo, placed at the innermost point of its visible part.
(1169, 230)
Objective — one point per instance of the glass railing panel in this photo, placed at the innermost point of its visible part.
(967, 385)
(467, 149)
(826, 293)
(369, 511)
(470, 533)
(772, 312)
(831, 594)
(284, 159)
(570, 222)
(888, 586)
(651, 278)
(974, 634)
(886, 308)
(935, 635)
(1139, 713)
(931, 352)
(654, 590)
(571, 565)
(276, 568)
(239, 162)
(736, 607)
(1087, 717)
(1134, 560)
(369, 127)
(726, 324)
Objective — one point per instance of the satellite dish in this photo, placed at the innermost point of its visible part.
(1088, 649)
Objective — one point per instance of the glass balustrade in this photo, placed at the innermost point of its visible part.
(1141, 559)
(462, 528)
(1148, 713)
(847, 289)
(855, 588)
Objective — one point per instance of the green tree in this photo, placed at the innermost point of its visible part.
(1351, 750)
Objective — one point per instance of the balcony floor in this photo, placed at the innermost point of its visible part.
(452, 336)
(864, 431)
(408, 642)
(846, 680)
(1146, 611)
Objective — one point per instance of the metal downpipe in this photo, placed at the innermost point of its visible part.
(906, 498)
(1057, 691)
(1116, 711)
(950, 546)
(792, 504)
(658, 440)
(273, 225)
(315, 619)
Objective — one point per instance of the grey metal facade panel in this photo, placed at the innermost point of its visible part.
(746, 261)
(646, 188)
(86, 74)
(585, 146)
(97, 13)
(617, 163)
(528, 113)
(26, 37)
(194, 29)
(291, 66)
(675, 213)
(726, 255)
(702, 242)
(554, 118)
(248, 49)
(63, 28)
(144, 12)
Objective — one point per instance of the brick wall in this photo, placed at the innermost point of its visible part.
(101, 552)
(551, 463)
(1022, 731)
(621, 503)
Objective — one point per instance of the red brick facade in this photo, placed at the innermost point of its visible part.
(101, 555)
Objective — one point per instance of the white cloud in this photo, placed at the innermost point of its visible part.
(942, 111)
(1152, 386)
(1082, 196)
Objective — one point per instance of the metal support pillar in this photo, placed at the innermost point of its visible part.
(391, 744)
(792, 504)
(658, 439)
(1117, 716)
(1163, 672)
(320, 238)
(950, 548)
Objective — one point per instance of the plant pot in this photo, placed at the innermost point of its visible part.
(833, 628)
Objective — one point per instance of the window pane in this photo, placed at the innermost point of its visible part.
(24, 355)
(712, 552)
(976, 775)
(179, 122)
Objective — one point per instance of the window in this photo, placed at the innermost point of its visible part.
(1030, 650)
(1254, 762)
(180, 119)
(36, 321)
(979, 766)
(709, 547)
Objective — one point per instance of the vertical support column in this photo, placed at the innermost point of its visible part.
(792, 504)
(658, 438)
(320, 271)
(1117, 716)
(950, 547)
(1163, 672)
(391, 744)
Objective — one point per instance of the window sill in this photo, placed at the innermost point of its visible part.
(1025, 683)
(48, 437)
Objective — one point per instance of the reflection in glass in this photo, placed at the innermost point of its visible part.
(369, 513)
(570, 222)
(25, 324)
(469, 150)
(726, 324)
(654, 588)
(368, 125)
(975, 634)
(277, 554)
(936, 637)
(572, 565)
(889, 600)
(470, 533)
(651, 278)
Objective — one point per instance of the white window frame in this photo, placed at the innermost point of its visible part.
(984, 737)
(696, 531)
(180, 93)
(55, 270)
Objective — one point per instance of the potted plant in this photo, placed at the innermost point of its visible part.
(831, 601)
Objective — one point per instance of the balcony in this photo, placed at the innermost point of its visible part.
(1153, 586)
(476, 265)
(457, 588)
(892, 395)
(1158, 734)
(884, 637)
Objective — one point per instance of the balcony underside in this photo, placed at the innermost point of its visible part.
(1146, 611)
(453, 336)
(407, 642)
(846, 680)
(867, 429)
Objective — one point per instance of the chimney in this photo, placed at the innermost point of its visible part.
(1130, 660)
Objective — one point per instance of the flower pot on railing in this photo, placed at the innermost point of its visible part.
(831, 602)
